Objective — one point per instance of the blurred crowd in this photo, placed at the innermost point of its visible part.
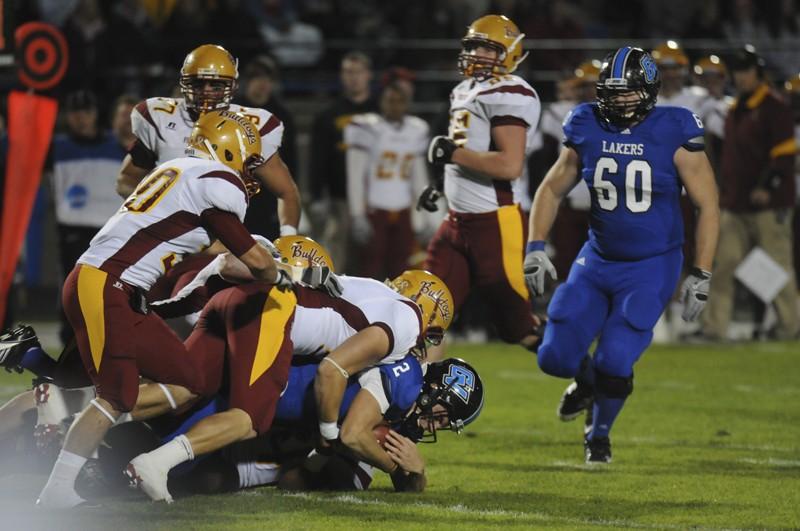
(131, 49)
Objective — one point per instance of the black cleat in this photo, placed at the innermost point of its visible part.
(597, 450)
(14, 343)
(575, 399)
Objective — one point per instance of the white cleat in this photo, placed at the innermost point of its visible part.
(145, 474)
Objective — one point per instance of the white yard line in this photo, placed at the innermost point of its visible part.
(772, 462)
(464, 509)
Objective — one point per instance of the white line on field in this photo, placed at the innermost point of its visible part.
(463, 509)
(12, 389)
(532, 374)
(780, 463)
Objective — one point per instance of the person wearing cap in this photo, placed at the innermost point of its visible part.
(261, 76)
(757, 194)
(84, 162)
(673, 64)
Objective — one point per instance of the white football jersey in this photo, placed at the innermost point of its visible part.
(690, 97)
(322, 323)
(394, 151)
(475, 107)
(163, 125)
(160, 221)
(713, 113)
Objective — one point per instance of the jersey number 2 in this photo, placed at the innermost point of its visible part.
(638, 185)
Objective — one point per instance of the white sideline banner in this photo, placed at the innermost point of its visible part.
(761, 274)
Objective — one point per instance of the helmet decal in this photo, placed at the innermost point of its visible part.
(649, 67)
(461, 381)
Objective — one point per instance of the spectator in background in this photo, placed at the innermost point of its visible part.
(792, 87)
(386, 172)
(571, 228)
(758, 194)
(294, 43)
(673, 66)
(328, 177)
(89, 43)
(84, 162)
(121, 121)
(712, 75)
(259, 83)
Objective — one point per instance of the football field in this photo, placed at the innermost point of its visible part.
(709, 439)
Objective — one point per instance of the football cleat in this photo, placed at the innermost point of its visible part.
(597, 450)
(147, 476)
(575, 399)
(14, 343)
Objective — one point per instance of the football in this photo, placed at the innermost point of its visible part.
(381, 431)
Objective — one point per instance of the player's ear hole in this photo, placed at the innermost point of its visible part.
(228, 156)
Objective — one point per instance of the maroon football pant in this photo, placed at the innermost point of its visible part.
(117, 343)
(485, 251)
(388, 250)
(244, 340)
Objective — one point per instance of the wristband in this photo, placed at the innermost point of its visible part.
(288, 230)
(329, 431)
(699, 273)
(537, 245)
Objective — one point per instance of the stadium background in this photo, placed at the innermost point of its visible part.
(136, 47)
(710, 439)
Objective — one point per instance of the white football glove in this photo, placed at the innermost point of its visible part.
(536, 264)
(361, 229)
(322, 278)
(694, 293)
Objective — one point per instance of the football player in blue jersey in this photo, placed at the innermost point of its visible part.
(636, 158)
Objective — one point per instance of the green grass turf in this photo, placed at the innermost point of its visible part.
(709, 439)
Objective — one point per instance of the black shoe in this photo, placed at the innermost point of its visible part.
(597, 450)
(575, 399)
(14, 343)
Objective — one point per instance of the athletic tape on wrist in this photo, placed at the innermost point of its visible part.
(329, 431)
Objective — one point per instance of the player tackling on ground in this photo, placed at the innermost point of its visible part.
(635, 158)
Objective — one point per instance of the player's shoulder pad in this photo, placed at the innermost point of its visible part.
(148, 116)
(220, 186)
(689, 130)
(406, 379)
(266, 122)
(418, 124)
(576, 123)
(508, 90)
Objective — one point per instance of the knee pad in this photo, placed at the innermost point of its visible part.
(556, 355)
(613, 386)
(641, 309)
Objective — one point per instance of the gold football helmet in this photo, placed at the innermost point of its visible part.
(229, 138)
(792, 85)
(213, 65)
(710, 64)
(300, 252)
(498, 33)
(433, 298)
(588, 71)
(669, 54)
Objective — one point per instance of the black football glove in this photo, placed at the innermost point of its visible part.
(428, 198)
(322, 278)
(283, 281)
(440, 150)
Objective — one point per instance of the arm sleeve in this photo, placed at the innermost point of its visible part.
(372, 382)
(142, 156)
(357, 162)
(511, 105)
(144, 127)
(692, 132)
(229, 229)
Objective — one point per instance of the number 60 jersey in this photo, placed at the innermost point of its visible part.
(168, 215)
(630, 172)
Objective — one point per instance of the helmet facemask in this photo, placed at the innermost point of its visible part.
(199, 99)
(481, 68)
(618, 108)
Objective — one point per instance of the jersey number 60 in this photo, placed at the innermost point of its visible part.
(638, 185)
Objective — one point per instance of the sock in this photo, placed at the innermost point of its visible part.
(605, 411)
(60, 488)
(38, 362)
(173, 453)
(585, 376)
